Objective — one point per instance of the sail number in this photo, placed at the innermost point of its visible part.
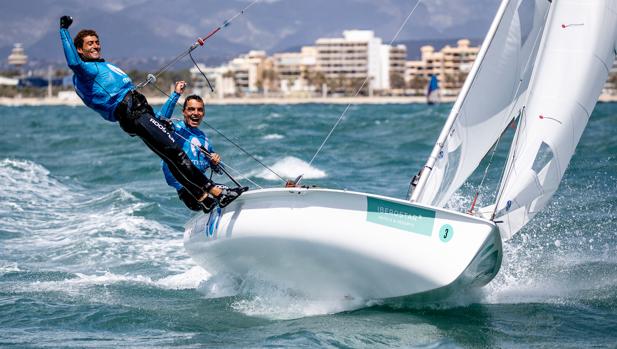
(445, 232)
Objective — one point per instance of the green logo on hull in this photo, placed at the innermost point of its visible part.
(409, 218)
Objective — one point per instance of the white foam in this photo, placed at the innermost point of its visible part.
(291, 167)
(9, 268)
(219, 285)
(274, 115)
(75, 232)
(77, 284)
(273, 136)
(265, 299)
(189, 279)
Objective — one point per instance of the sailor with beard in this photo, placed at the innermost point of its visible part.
(109, 91)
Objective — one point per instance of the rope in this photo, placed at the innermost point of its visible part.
(202, 73)
(506, 171)
(338, 121)
(229, 140)
(520, 116)
(200, 42)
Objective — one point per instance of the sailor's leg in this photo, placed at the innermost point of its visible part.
(160, 140)
(189, 201)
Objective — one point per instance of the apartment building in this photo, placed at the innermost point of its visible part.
(397, 58)
(358, 55)
(221, 78)
(451, 65)
(293, 69)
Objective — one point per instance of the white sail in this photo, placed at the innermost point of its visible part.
(577, 51)
(488, 101)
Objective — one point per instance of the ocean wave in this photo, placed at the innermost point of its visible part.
(74, 229)
(273, 136)
(76, 283)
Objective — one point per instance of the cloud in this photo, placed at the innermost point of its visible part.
(187, 31)
(444, 14)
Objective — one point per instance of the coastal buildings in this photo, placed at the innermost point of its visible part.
(450, 65)
(333, 66)
(357, 61)
(242, 75)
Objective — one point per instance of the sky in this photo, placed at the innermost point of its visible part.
(161, 28)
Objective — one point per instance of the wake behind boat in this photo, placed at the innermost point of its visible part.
(335, 244)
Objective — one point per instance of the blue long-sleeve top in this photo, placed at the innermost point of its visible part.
(191, 138)
(100, 85)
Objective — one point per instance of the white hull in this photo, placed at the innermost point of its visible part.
(332, 244)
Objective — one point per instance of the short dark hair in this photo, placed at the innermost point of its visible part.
(78, 41)
(195, 97)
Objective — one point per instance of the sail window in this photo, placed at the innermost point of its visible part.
(543, 157)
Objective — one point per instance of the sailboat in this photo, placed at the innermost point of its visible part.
(432, 91)
(542, 64)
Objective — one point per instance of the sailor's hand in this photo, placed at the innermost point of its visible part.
(169, 125)
(180, 86)
(66, 21)
(215, 158)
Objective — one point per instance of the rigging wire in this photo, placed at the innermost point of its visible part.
(225, 165)
(200, 42)
(520, 116)
(490, 161)
(515, 98)
(151, 79)
(338, 121)
(230, 141)
(507, 170)
(201, 72)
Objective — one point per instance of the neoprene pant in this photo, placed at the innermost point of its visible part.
(136, 118)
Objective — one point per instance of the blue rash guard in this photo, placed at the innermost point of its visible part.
(100, 85)
(189, 137)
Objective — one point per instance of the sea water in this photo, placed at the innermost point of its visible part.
(91, 250)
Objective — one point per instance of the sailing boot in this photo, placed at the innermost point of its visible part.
(230, 194)
(208, 204)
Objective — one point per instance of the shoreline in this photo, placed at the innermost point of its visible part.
(55, 101)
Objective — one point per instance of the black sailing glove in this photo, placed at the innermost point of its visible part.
(66, 21)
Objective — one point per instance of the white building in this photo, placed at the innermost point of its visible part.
(221, 79)
(18, 56)
(293, 70)
(241, 76)
(247, 70)
(357, 55)
(450, 65)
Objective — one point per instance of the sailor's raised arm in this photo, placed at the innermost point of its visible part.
(168, 108)
(70, 52)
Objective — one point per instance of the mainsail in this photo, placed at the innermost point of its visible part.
(577, 52)
(489, 100)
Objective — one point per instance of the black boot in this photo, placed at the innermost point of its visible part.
(230, 194)
(208, 204)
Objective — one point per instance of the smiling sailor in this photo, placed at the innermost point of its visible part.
(109, 91)
(194, 143)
